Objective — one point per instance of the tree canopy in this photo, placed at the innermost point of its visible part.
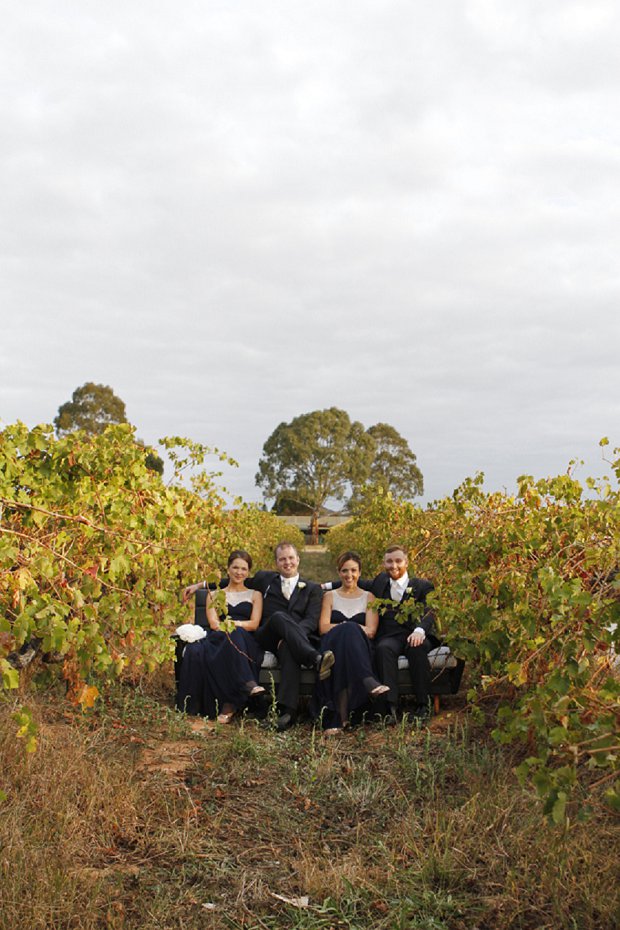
(324, 455)
(92, 408)
(315, 457)
(286, 506)
(394, 466)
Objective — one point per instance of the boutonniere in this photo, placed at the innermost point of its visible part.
(408, 590)
(301, 585)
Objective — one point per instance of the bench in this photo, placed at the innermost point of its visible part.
(446, 674)
(446, 669)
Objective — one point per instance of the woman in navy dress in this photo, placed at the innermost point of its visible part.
(219, 673)
(347, 625)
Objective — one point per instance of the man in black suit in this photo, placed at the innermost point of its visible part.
(291, 608)
(413, 637)
(403, 632)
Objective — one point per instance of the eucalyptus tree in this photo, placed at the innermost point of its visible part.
(316, 457)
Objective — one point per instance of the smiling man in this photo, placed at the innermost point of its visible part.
(291, 608)
(412, 637)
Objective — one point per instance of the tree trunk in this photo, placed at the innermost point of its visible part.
(314, 528)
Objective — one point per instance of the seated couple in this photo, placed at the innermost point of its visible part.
(275, 611)
(220, 672)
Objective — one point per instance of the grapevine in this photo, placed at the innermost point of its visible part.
(528, 591)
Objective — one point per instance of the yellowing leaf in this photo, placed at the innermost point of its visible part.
(27, 729)
(516, 673)
(23, 578)
(10, 676)
(87, 696)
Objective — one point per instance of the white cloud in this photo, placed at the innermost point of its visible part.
(235, 213)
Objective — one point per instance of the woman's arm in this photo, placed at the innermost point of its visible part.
(325, 624)
(371, 623)
(257, 613)
(212, 618)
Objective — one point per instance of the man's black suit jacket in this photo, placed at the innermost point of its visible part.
(304, 605)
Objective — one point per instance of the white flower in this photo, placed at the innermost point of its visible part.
(302, 584)
(190, 632)
(408, 590)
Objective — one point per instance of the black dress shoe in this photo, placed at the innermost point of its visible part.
(324, 664)
(284, 721)
(422, 713)
(260, 705)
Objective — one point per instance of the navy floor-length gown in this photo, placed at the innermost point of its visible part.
(220, 669)
(353, 677)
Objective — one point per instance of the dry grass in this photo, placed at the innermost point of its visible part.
(130, 818)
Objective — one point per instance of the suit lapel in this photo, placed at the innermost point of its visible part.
(274, 588)
(412, 587)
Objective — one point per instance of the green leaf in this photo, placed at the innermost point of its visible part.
(558, 736)
(38, 518)
(10, 676)
(119, 566)
(558, 811)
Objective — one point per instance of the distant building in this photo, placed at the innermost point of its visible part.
(326, 522)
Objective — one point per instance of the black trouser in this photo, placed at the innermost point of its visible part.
(387, 651)
(284, 637)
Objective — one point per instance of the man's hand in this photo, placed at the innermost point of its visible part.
(190, 590)
(417, 637)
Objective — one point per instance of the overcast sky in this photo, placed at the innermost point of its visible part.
(237, 212)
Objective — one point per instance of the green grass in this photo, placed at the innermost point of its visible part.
(317, 566)
(127, 819)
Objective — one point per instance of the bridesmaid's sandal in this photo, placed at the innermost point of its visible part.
(226, 716)
(332, 731)
(256, 690)
(379, 690)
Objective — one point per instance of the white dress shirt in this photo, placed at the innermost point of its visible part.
(398, 586)
(288, 585)
(397, 591)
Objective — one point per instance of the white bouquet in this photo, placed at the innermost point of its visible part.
(190, 632)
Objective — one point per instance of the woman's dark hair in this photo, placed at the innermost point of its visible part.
(239, 554)
(348, 556)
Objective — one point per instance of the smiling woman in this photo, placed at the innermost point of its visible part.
(219, 674)
(347, 625)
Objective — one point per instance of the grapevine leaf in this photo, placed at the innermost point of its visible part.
(87, 696)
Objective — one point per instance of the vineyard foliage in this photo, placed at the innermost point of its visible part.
(528, 591)
(95, 548)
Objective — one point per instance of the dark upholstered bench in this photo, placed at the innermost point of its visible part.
(446, 669)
